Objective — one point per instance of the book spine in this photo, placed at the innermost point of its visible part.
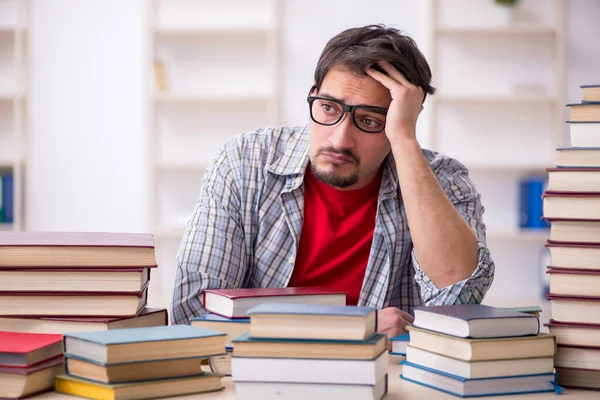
(1, 202)
(7, 198)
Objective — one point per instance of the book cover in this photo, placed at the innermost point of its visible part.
(311, 309)
(267, 292)
(76, 239)
(245, 338)
(32, 368)
(8, 198)
(218, 318)
(22, 343)
(469, 312)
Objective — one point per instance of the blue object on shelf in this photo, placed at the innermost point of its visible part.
(8, 198)
(531, 203)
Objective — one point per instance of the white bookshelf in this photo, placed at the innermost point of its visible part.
(500, 110)
(13, 98)
(221, 68)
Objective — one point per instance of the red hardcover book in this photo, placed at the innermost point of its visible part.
(18, 349)
(575, 334)
(74, 249)
(16, 383)
(575, 255)
(234, 303)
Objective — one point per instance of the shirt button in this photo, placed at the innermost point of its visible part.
(292, 259)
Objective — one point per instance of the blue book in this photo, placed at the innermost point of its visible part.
(7, 198)
(1, 202)
(531, 203)
(310, 321)
(121, 346)
(233, 327)
(217, 318)
(399, 344)
(464, 387)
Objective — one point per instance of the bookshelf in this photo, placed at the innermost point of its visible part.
(215, 73)
(499, 74)
(13, 98)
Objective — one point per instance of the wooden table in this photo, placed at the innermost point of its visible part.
(397, 389)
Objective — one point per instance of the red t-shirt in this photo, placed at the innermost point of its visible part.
(336, 236)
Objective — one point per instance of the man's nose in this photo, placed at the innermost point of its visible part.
(342, 136)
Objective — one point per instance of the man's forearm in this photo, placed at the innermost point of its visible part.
(445, 244)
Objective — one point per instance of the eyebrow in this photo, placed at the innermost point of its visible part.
(377, 109)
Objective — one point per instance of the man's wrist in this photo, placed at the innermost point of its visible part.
(400, 145)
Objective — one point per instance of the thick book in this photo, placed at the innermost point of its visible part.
(576, 378)
(574, 230)
(232, 327)
(580, 334)
(151, 389)
(245, 346)
(574, 255)
(571, 205)
(565, 157)
(580, 179)
(61, 325)
(20, 349)
(399, 344)
(143, 344)
(575, 309)
(590, 93)
(16, 383)
(235, 303)
(312, 321)
(584, 112)
(76, 249)
(475, 321)
(580, 357)
(585, 133)
(574, 282)
(542, 345)
(74, 280)
(479, 369)
(296, 370)
(88, 304)
(463, 387)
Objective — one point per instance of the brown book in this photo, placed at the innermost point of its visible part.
(74, 249)
(570, 205)
(587, 335)
(577, 156)
(574, 255)
(146, 317)
(44, 304)
(568, 356)
(73, 280)
(160, 76)
(20, 382)
(585, 112)
(576, 378)
(582, 180)
(574, 282)
(574, 230)
(575, 309)
(590, 93)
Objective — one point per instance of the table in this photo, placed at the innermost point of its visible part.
(397, 389)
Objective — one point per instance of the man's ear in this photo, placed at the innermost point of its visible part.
(313, 91)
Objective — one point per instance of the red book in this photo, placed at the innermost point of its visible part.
(19, 349)
(234, 303)
(16, 383)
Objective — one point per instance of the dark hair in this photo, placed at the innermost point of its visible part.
(359, 48)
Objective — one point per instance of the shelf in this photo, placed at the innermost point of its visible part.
(209, 30)
(499, 30)
(199, 98)
(522, 234)
(494, 100)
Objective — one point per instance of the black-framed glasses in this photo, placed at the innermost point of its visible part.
(325, 111)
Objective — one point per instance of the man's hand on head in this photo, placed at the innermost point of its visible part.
(407, 102)
(393, 322)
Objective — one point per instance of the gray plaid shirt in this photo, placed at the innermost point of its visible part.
(246, 226)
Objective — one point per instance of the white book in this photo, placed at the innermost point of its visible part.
(584, 134)
(297, 370)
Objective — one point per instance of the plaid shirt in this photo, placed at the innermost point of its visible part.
(246, 226)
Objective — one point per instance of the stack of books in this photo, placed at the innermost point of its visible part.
(58, 282)
(572, 205)
(306, 351)
(139, 363)
(227, 311)
(28, 363)
(476, 350)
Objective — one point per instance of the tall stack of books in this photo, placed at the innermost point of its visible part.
(475, 350)
(139, 363)
(572, 205)
(57, 282)
(304, 351)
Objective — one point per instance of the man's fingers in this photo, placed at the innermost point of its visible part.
(407, 317)
(394, 73)
(385, 80)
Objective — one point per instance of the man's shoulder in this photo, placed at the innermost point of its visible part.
(441, 163)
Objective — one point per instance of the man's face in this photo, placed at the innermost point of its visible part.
(342, 155)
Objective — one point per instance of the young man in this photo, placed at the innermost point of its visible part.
(350, 202)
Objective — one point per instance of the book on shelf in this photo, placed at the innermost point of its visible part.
(143, 344)
(479, 369)
(590, 93)
(74, 280)
(569, 356)
(530, 202)
(574, 230)
(568, 205)
(157, 388)
(245, 346)
(312, 321)
(145, 318)
(585, 134)
(463, 387)
(234, 303)
(399, 344)
(572, 180)
(584, 112)
(17, 383)
(565, 157)
(160, 77)
(574, 282)
(475, 321)
(76, 249)
(1, 202)
(18, 349)
(7, 192)
(575, 309)
(574, 255)
(576, 378)
(576, 334)
(233, 328)
(541, 345)
(80, 304)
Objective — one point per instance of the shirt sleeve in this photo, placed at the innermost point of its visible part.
(459, 188)
(212, 253)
